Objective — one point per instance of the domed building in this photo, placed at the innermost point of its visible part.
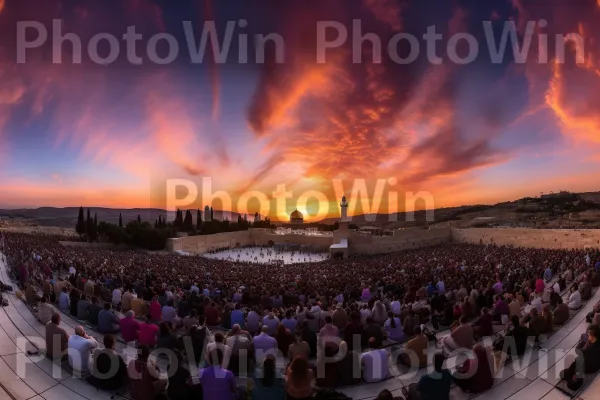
(296, 217)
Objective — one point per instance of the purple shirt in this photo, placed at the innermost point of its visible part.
(497, 287)
(217, 383)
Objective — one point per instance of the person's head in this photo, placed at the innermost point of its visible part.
(130, 314)
(385, 395)
(268, 371)
(55, 318)
(219, 338)
(79, 331)
(288, 314)
(201, 320)
(463, 320)
(43, 299)
(372, 343)
(193, 313)
(164, 328)
(514, 320)
(438, 362)
(559, 300)
(148, 319)
(265, 329)
(107, 306)
(328, 320)
(235, 329)
(369, 320)
(418, 331)
(109, 341)
(94, 300)
(593, 332)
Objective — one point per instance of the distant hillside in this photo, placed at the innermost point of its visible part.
(67, 217)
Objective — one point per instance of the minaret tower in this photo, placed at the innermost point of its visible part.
(344, 210)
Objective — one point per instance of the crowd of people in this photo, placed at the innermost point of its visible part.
(328, 321)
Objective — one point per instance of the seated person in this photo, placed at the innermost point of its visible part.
(130, 327)
(561, 313)
(83, 308)
(588, 358)
(103, 375)
(374, 363)
(475, 375)
(415, 355)
(167, 339)
(56, 338)
(108, 322)
(515, 340)
(574, 302)
(537, 325)
(147, 333)
(393, 329)
(433, 386)
(44, 311)
(94, 311)
(461, 336)
(80, 349)
(485, 325)
(144, 377)
(372, 330)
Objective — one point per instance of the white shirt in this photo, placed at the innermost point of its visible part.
(537, 303)
(72, 271)
(80, 350)
(116, 296)
(375, 365)
(364, 314)
(575, 299)
(556, 288)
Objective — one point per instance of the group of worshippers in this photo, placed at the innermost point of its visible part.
(310, 315)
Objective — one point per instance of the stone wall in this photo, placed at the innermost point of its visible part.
(402, 240)
(205, 243)
(524, 237)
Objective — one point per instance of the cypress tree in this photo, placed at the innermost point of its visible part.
(120, 220)
(96, 220)
(80, 227)
(198, 219)
(212, 216)
(139, 219)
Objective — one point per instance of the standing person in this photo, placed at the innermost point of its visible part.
(217, 382)
(147, 333)
(80, 347)
(299, 378)
(108, 322)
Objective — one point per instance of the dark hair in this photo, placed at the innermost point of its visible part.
(216, 357)
(594, 330)
(328, 320)
(299, 370)
(438, 361)
(515, 320)
(385, 395)
(219, 338)
(463, 320)
(392, 319)
(201, 319)
(268, 378)
(55, 318)
(418, 330)
(43, 299)
(164, 329)
(107, 306)
(109, 341)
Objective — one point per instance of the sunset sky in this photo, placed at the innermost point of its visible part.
(111, 135)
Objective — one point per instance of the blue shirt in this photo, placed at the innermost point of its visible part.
(430, 290)
(107, 321)
(289, 324)
(217, 383)
(237, 317)
(547, 274)
(598, 266)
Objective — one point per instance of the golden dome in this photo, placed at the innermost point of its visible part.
(296, 215)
